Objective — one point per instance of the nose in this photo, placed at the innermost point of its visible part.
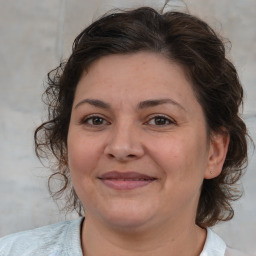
(124, 144)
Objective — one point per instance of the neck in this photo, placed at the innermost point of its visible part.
(175, 240)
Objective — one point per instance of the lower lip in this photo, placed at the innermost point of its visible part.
(126, 184)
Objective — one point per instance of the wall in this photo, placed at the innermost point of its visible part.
(35, 35)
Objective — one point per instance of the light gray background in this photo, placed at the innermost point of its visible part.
(34, 36)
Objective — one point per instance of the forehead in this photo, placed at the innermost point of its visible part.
(130, 73)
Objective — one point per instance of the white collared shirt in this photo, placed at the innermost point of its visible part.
(215, 246)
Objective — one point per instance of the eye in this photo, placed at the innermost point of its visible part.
(160, 120)
(94, 121)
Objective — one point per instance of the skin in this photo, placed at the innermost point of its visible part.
(127, 135)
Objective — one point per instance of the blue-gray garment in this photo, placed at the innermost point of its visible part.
(60, 239)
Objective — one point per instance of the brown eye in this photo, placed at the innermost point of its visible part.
(95, 121)
(160, 121)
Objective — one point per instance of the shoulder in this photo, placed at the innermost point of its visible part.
(52, 240)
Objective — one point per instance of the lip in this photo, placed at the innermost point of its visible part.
(126, 180)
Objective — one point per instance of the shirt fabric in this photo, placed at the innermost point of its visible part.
(63, 239)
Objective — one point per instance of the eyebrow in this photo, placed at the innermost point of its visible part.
(141, 105)
(94, 102)
(157, 102)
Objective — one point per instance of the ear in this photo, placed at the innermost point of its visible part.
(218, 149)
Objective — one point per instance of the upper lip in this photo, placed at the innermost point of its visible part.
(126, 176)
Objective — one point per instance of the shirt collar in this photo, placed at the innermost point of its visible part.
(214, 245)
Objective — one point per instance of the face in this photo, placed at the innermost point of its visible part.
(137, 144)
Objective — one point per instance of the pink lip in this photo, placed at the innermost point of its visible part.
(125, 180)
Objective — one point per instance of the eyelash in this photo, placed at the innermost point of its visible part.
(85, 121)
(163, 117)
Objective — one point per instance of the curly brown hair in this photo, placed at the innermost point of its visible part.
(184, 39)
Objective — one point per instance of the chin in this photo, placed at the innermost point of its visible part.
(128, 224)
(128, 217)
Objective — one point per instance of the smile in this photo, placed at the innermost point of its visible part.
(126, 180)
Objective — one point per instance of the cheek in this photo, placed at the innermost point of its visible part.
(83, 155)
(170, 151)
(180, 157)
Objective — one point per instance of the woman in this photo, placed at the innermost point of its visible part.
(144, 126)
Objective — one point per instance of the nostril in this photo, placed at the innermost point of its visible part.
(122, 157)
(131, 156)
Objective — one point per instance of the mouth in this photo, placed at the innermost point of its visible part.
(126, 180)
